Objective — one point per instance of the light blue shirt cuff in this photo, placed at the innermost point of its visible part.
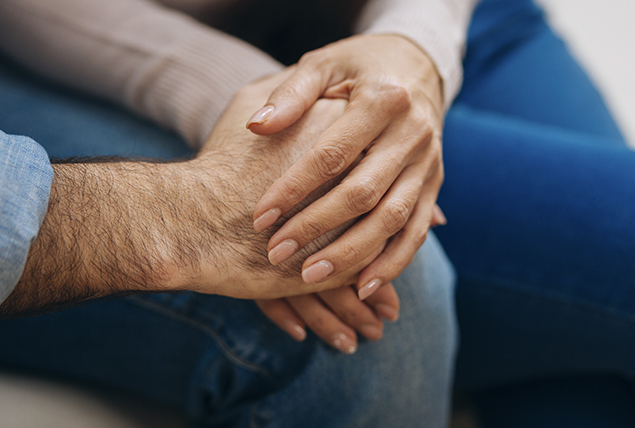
(26, 177)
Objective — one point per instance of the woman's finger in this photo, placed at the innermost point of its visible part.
(402, 248)
(363, 121)
(282, 315)
(388, 218)
(359, 192)
(346, 278)
(324, 322)
(353, 312)
(288, 102)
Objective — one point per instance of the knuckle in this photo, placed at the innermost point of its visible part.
(289, 90)
(362, 197)
(397, 95)
(309, 231)
(291, 191)
(309, 58)
(330, 160)
(435, 170)
(348, 315)
(367, 93)
(423, 127)
(392, 270)
(420, 237)
(350, 255)
(396, 215)
(320, 324)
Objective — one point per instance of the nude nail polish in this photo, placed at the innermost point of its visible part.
(344, 344)
(283, 251)
(266, 219)
(369, 289)
(296, 331)
(317, 272)
(261, 115)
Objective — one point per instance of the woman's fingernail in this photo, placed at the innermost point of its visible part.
(283, 251)
(266, 220)
(344, 343)
(371, 331)
(295, 330)
(369, 289)
(261, 115)
(317, 272)
(387, 312)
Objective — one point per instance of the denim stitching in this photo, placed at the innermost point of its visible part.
(211, 333)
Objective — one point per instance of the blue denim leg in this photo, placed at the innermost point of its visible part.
(540, 229)
(220, 359)
(68, 123)
(227, 365)
(411, 364)
(582, 402)
(539, 196)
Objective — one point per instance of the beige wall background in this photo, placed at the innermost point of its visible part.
(601, 34)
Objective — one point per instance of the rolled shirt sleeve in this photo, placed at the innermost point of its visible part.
(26, 177)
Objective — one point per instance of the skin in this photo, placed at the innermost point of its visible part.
(394, 119)
(117, 226)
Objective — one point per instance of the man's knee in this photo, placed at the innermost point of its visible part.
(400, 380)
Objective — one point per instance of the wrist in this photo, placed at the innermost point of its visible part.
(189, 220)
(429, 75)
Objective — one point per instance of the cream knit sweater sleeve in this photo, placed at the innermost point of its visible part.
(438, 26)
(158, 61)
(166, 66)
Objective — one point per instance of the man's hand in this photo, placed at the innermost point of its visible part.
(116, 227)
(245, 165)
(336, 316)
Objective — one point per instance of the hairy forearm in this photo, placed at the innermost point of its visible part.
(115, 228)
(124, 227)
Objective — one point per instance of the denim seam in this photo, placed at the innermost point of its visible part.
(211, 333)
(520, 289)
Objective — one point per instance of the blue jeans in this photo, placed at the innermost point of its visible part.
(220, 359)
(539, 197)
(540, 231)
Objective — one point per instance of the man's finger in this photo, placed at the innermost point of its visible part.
(282, 315)
(385, 302)
(325, 323)
(352, 311)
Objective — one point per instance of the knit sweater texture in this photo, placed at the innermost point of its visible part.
(159, 59)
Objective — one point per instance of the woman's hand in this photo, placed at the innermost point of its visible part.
(334, 315)
(394, 117)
